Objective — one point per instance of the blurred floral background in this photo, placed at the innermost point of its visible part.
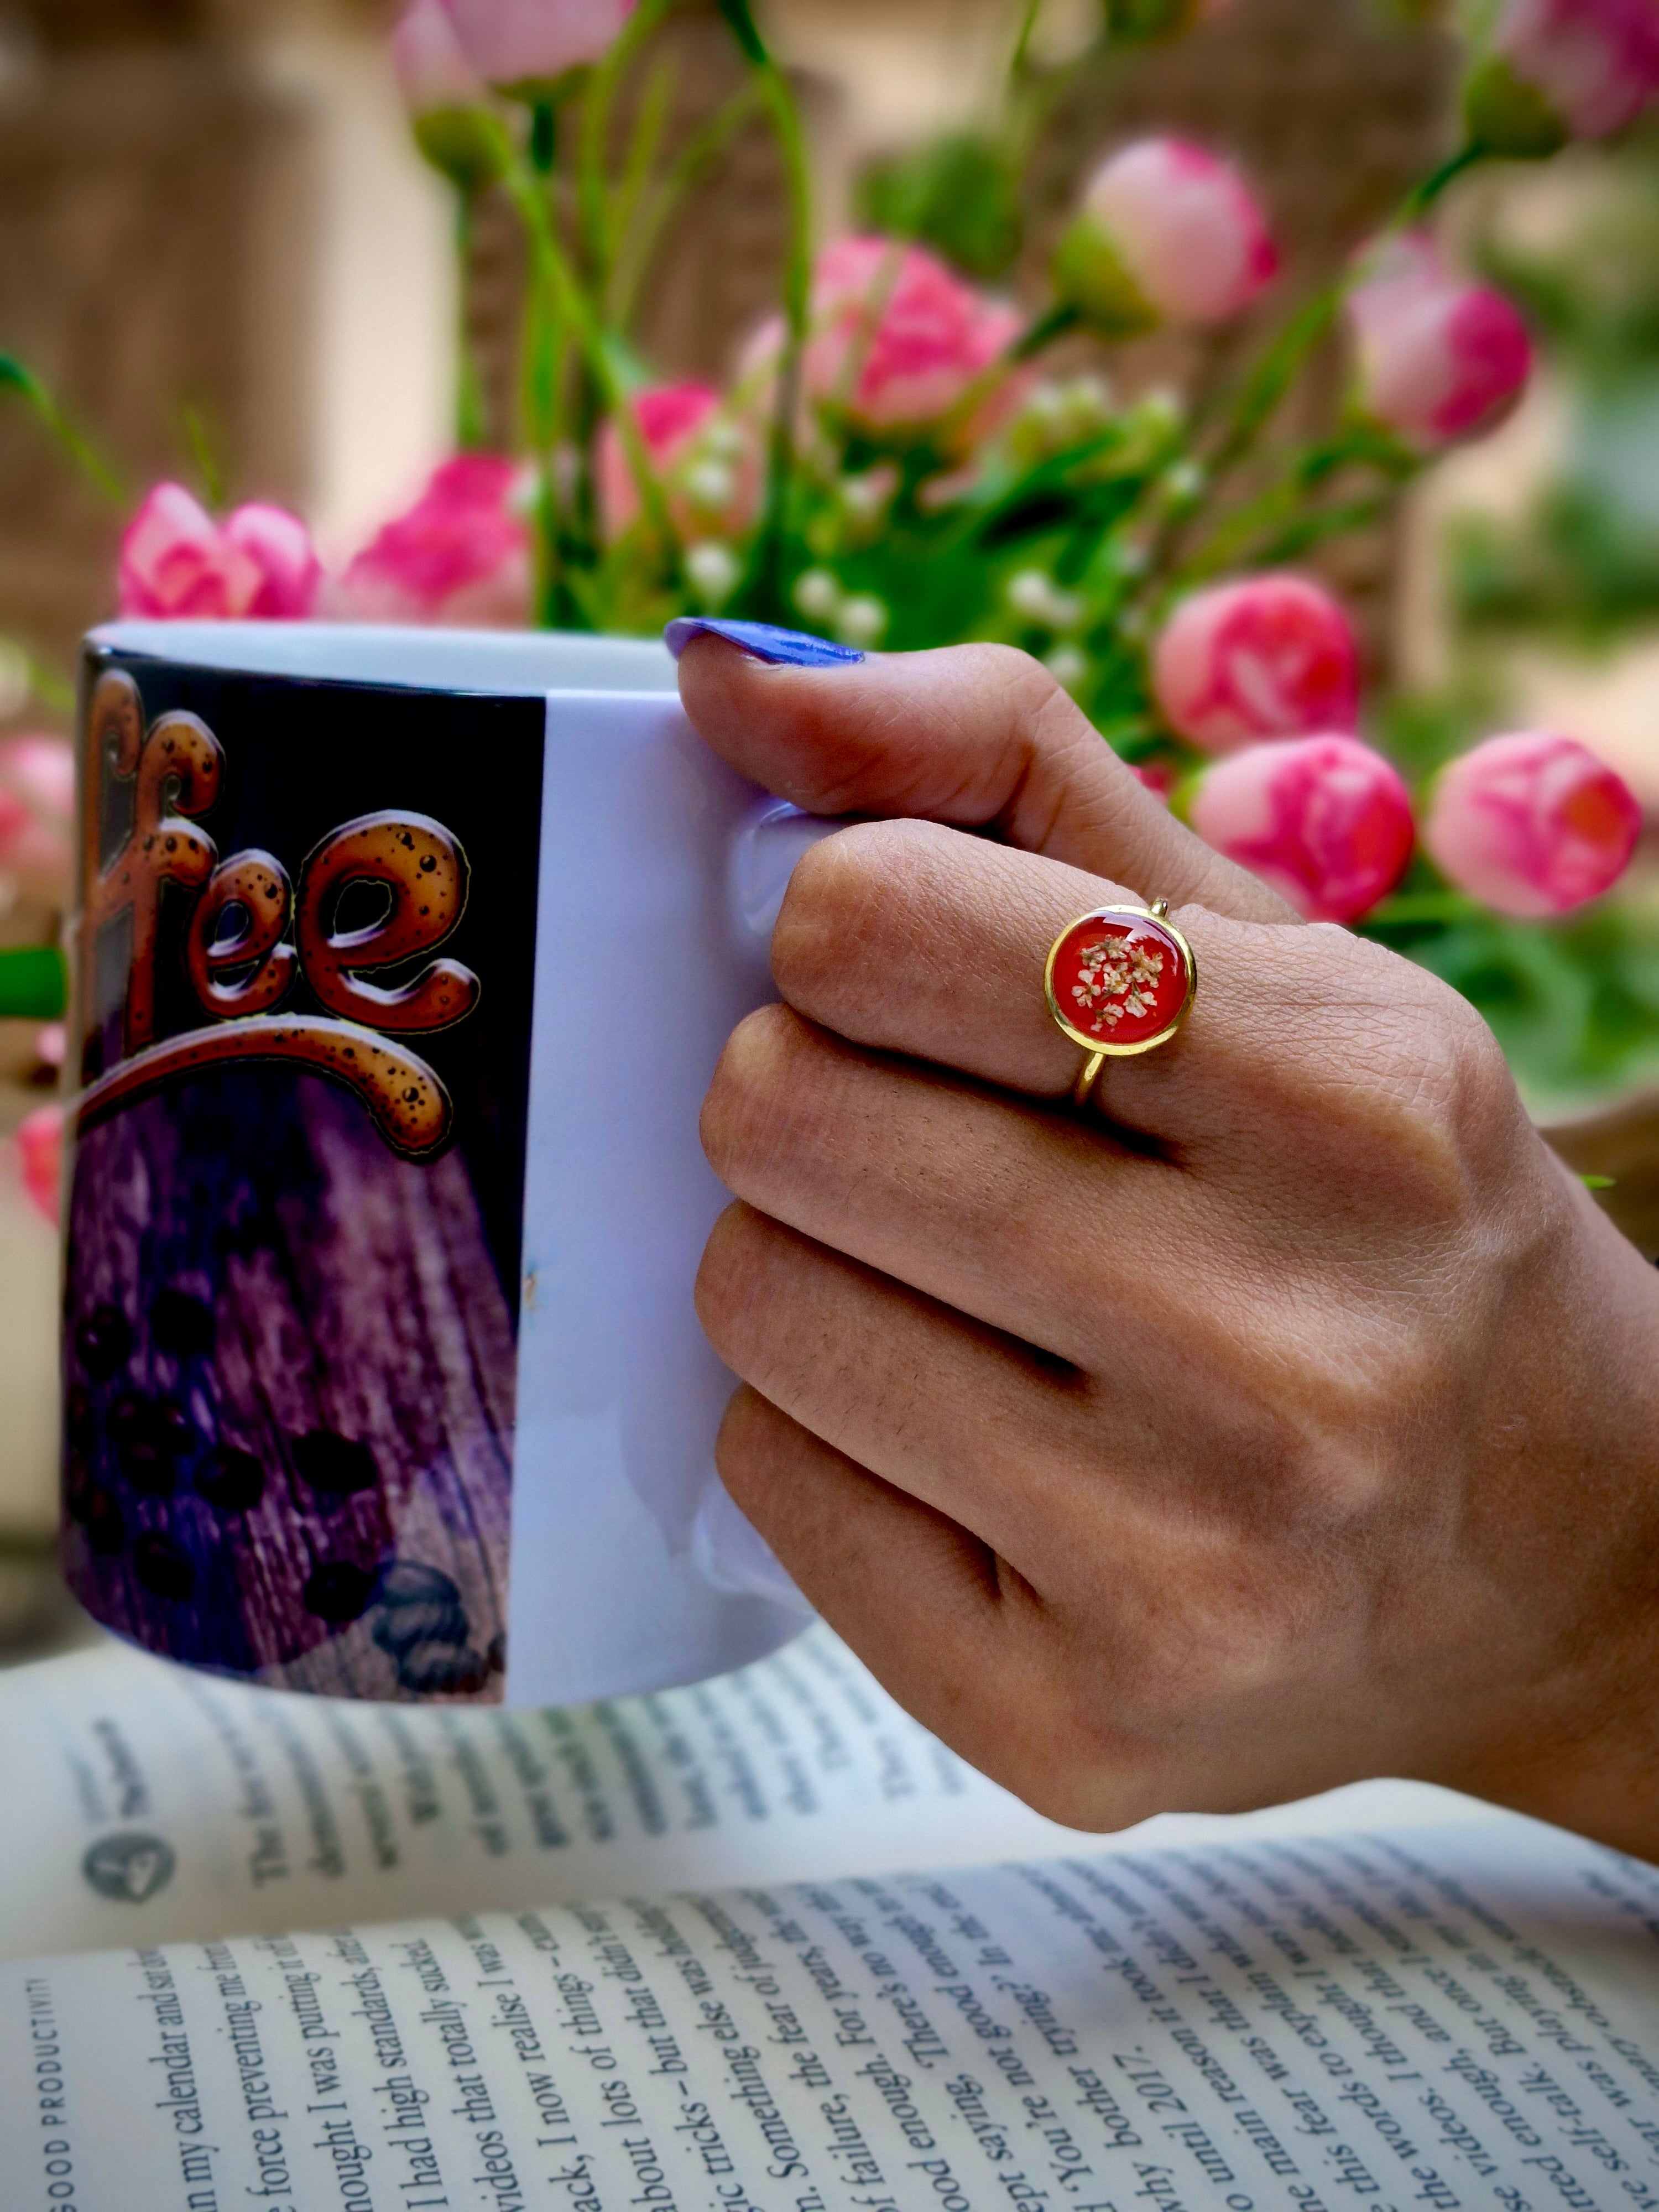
(1283, 373)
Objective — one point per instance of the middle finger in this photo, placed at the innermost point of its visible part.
(1032, 1223)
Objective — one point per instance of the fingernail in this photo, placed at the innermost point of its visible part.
(781, 648)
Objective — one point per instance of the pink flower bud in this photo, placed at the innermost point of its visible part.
(1532, 824)
(1272, 656)
(1564, 69)
(898, 342)
(38, 1144)
(446, 97)
(1324, 820)
(1437, 359)
(529, 41)
(459, 556)
(708, 462)
(1166, 232)
(177, 563)
(37, 820)
(432, 71)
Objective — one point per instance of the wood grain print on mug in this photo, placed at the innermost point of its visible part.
(304, 982)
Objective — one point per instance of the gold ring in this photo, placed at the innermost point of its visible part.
(1120, 980)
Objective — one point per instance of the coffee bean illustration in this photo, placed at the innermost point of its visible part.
(338, 1591)
(233, 1481)
(150, 1435)
(182, 1324)
(335, 1465)
(103, 1343)
(163, 1566)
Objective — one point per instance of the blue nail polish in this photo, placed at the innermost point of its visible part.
(781, 648)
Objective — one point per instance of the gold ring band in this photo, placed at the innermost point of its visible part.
(1120, 981)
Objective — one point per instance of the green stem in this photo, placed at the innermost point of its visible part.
(598, 237)
(1264, 390)
(470, 435)
(544, 365)
(1020, 60)
(16, 376)
(1042, 334)
(557, 283)
(641, 233)
(779, 102)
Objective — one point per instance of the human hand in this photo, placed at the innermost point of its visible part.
(1289, 1416)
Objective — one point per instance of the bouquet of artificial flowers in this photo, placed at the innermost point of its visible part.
(896, 460)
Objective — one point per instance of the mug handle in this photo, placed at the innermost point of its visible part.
(772, 836)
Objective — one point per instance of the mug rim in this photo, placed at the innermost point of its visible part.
(499, 664)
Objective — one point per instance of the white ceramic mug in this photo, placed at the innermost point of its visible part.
(404, 959)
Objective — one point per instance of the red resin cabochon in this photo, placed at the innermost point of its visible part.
(1120, 981)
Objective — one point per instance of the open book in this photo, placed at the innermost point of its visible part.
(748, 1948)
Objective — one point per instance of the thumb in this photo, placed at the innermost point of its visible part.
(979, 736)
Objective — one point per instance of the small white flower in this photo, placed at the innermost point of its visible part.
(1067, 665)
(713, 570)
(819, 594)
(862, 620)
(1036, 596)
(710, 483)
(1185, 480)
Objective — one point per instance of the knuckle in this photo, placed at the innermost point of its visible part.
(831, 907)
(724, 1292)
(751, 1087)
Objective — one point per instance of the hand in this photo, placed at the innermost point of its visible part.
(1292, 1417)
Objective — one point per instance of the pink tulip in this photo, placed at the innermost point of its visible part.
(1166, 232)
(1272, 656)
(1564, 69)
(1437, 359)
(459, 556)
(446, 97)
(898, 342)
(707, 460)
(38, 1147)
(1324, 820)
(534, 41)
(432, 71)
(177, 563)
(36, 819)
(1532, 824)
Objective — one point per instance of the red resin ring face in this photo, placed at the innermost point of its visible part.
(1119, 982)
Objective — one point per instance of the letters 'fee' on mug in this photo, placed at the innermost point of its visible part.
(404, 960)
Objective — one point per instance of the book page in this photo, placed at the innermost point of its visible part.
(149, 1803)
(1461, 2017)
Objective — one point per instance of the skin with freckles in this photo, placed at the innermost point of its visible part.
(1287, 1416)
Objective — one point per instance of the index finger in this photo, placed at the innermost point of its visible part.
(977, 736)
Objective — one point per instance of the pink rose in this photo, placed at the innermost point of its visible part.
(1272, 656)
(1593, 64)
(898, 342)
(1532, 824)
(708, 462)
(177, 563)
(1324, 820)
(1437, 358)
(1166, 232)
(526, 41)
(36, 819)
(459, 556)
(38, 1147)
